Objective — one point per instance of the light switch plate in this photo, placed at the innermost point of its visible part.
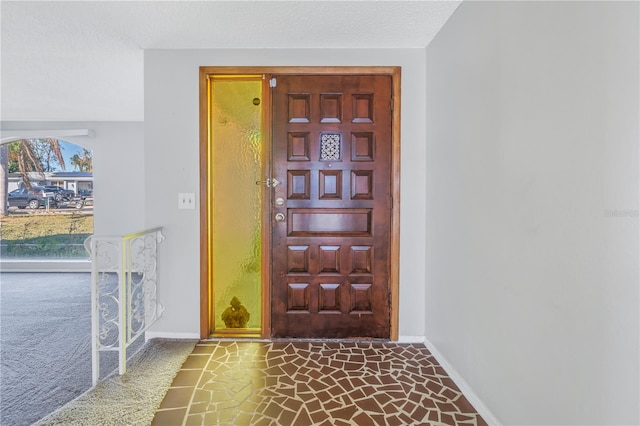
(186, 200)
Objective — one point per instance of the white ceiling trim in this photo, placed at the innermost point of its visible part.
(14, 135)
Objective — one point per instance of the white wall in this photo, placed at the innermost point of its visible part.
(532, 208)
(118, 169)
(171, 151)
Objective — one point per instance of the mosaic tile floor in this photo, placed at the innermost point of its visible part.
(313, 383)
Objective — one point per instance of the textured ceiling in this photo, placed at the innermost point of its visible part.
(83, 60)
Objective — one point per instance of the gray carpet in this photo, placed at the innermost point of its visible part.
(131, 399)
(45, 335)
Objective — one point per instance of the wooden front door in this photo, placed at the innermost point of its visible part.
(331, 212)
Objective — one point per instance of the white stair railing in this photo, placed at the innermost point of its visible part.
(123, 292)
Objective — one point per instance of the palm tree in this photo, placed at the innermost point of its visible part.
(28, 161)
(84, 162)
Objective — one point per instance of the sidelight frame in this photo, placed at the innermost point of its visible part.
(205, 73)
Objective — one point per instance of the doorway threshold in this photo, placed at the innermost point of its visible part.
(236, 334)
(258, 338)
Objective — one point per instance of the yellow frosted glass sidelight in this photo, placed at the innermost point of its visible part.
(236, 149)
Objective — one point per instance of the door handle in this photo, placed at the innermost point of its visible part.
(279, 217)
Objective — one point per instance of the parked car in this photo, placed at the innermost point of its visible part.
(85, 193)
(23, 198)
(60, 194)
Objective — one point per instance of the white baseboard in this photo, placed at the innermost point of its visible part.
(170, 335)
(464, 387)
(410, 339)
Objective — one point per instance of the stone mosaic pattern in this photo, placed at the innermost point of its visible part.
(313, 383)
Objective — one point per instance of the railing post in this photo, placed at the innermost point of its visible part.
(95, 354)
(123, 296)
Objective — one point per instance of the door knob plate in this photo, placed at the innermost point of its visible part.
(269, 183)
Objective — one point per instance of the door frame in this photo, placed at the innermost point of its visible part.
(206, 302)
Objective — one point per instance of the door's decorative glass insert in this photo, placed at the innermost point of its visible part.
(236, 165)
(330, 146)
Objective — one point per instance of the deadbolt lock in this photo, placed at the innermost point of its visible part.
(279, 201)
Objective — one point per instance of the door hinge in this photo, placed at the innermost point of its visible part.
(391, 104)
(273, 82)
